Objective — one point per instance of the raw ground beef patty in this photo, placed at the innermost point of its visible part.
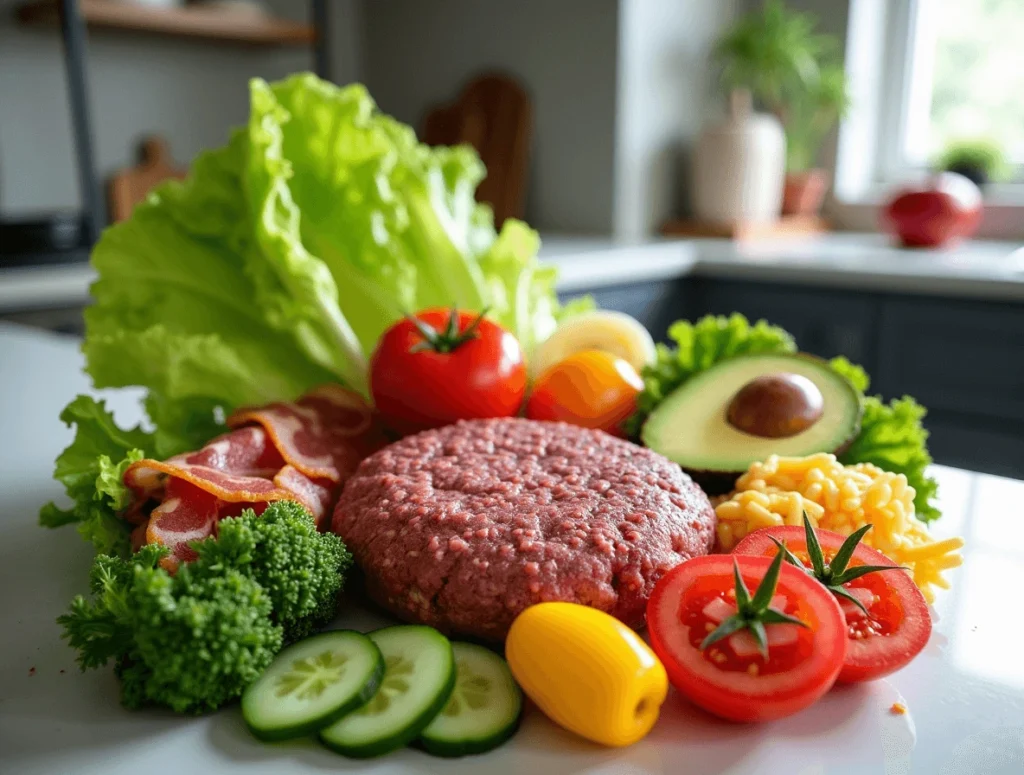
(463, 527)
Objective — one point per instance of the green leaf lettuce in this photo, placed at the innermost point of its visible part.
(277, 264)
(91, 470)
(893, 438)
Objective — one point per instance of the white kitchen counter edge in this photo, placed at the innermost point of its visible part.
(856, 261)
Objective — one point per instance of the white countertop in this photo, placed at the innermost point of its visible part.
(965, 692)
(979, 269)
(990, 270)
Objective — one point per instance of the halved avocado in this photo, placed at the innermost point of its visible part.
(749, 407)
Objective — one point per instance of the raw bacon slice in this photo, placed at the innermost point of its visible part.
(186, 514)
(303, 452)
(238, 466)
(325, 434)
(317, 495)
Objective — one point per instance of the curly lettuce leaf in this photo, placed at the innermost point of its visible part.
(295, 289)
(396, 222)
(277, 264)
(698, 347)
(893, 438)
(853, 373)
(176, 307)
(91, 470)
(182, 426)
(519, 286)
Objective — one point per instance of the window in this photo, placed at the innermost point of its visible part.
(954, 70)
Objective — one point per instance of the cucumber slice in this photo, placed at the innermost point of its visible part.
(483, 711)
(312, 684)
(419, 675)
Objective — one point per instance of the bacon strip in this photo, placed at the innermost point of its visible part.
(237, 466)
(303, 452)
(325, 434)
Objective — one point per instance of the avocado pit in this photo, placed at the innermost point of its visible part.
(776, 406)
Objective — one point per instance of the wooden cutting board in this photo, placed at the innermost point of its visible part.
(494, 115)
(130, 186)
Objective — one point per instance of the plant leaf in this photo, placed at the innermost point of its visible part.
(791, 558)
(863, 570)
(775, 616)
(760, 635)
(838, 591)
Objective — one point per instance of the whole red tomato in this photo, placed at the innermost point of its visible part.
(947, 209)
(445, 365)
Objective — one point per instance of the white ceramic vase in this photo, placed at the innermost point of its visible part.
(739, 166)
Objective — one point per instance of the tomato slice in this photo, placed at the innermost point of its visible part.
(898, 624)
(729, 678)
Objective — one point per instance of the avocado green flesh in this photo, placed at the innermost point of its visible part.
(690, 426)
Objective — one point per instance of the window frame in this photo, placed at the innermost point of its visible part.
(860, 191)
(908, 52)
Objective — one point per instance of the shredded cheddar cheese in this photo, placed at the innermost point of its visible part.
(839, 498)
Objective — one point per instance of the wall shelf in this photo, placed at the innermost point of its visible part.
(215, 24)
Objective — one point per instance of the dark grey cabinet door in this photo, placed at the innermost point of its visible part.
(825, 323)
(977, 443)
(655, 304)
(961, 356)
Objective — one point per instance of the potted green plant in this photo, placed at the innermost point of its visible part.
(809, 116)
(979, 160)
(793, 71)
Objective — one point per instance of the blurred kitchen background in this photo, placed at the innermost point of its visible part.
(679, 157)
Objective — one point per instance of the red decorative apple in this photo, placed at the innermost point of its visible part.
(946, 209)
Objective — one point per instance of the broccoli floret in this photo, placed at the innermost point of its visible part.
(195, 640)
(100, 629)
(301, 569)
(203, 638)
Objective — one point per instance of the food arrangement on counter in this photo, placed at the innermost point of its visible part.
(356, 369)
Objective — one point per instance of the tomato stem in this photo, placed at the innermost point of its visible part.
(754, 612)
(836, 573)
(448, 340)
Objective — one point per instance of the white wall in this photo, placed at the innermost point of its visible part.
(619, 88)
(419, 54)
(666, 90)
(191, 92)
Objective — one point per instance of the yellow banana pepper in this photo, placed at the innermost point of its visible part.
(587, 671)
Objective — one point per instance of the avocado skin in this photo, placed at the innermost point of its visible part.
(724, 482)
(715, 482)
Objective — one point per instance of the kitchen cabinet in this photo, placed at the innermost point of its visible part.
(824, 322)
(655, 304)
(963, 359)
